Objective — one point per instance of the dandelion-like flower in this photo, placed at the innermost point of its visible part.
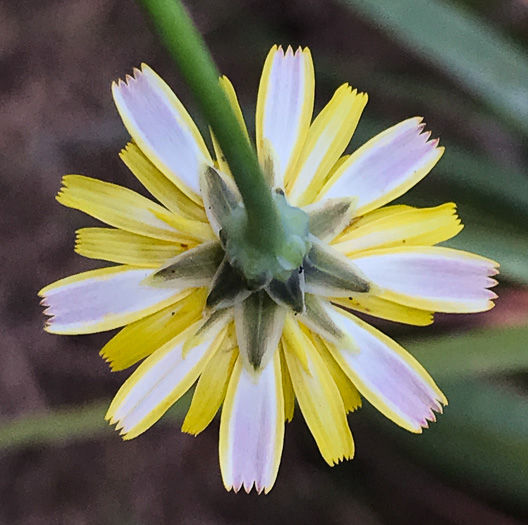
(191, 308)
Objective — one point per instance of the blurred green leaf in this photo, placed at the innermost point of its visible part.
(54, 427)
(478, 352)
(475, 54)
(481, 440)
(64, 425)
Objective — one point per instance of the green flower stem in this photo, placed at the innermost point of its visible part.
(188, 49)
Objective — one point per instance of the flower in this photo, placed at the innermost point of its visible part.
(254, 347)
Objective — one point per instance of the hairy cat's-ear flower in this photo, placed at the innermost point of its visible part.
(193, 308)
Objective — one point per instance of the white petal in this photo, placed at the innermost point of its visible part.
(385, 167)
(162, 128)
(284, 108)
(252, 428)
(159, 382)
(103, 299)
(387, 376)
(432, 278)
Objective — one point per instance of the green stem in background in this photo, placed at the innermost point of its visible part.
(188, 49)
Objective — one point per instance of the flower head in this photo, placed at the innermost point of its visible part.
(195, 306)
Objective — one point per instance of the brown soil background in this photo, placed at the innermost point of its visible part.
(57, 61)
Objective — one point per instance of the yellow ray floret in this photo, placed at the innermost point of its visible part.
(118, 207)
(159, 185)
(230, 92)
(211, 389)
(328, 137)
(293, 336)
(385, 309)
(201, 231)
(321, 403)
(398, 226)
(120, 246)
(287, 387)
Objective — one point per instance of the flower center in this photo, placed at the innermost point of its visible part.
(257, 268)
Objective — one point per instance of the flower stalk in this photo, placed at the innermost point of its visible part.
(264, 230)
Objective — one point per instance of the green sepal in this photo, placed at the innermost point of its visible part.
(194, 267)
(259, 322)
(320, 321)
(328, 218)
(290, 292)
(220, 197)
(226, 288)
(331, 274)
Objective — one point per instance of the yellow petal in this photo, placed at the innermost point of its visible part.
(407, 226)
(374, 215)
(328, 137)
(119, 246)
(287, 387)
(159, 185)
(293, 337)
(230, 92)
(142, 338)
(385, 309)
(198, 230)
(118, 207)
(320, 403)
(211, 389)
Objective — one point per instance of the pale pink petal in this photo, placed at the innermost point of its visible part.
(103, 299)
(252, 428)
(284, 108)
(386, 375)
(431, 278)
(385, 167)
(162, 128)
